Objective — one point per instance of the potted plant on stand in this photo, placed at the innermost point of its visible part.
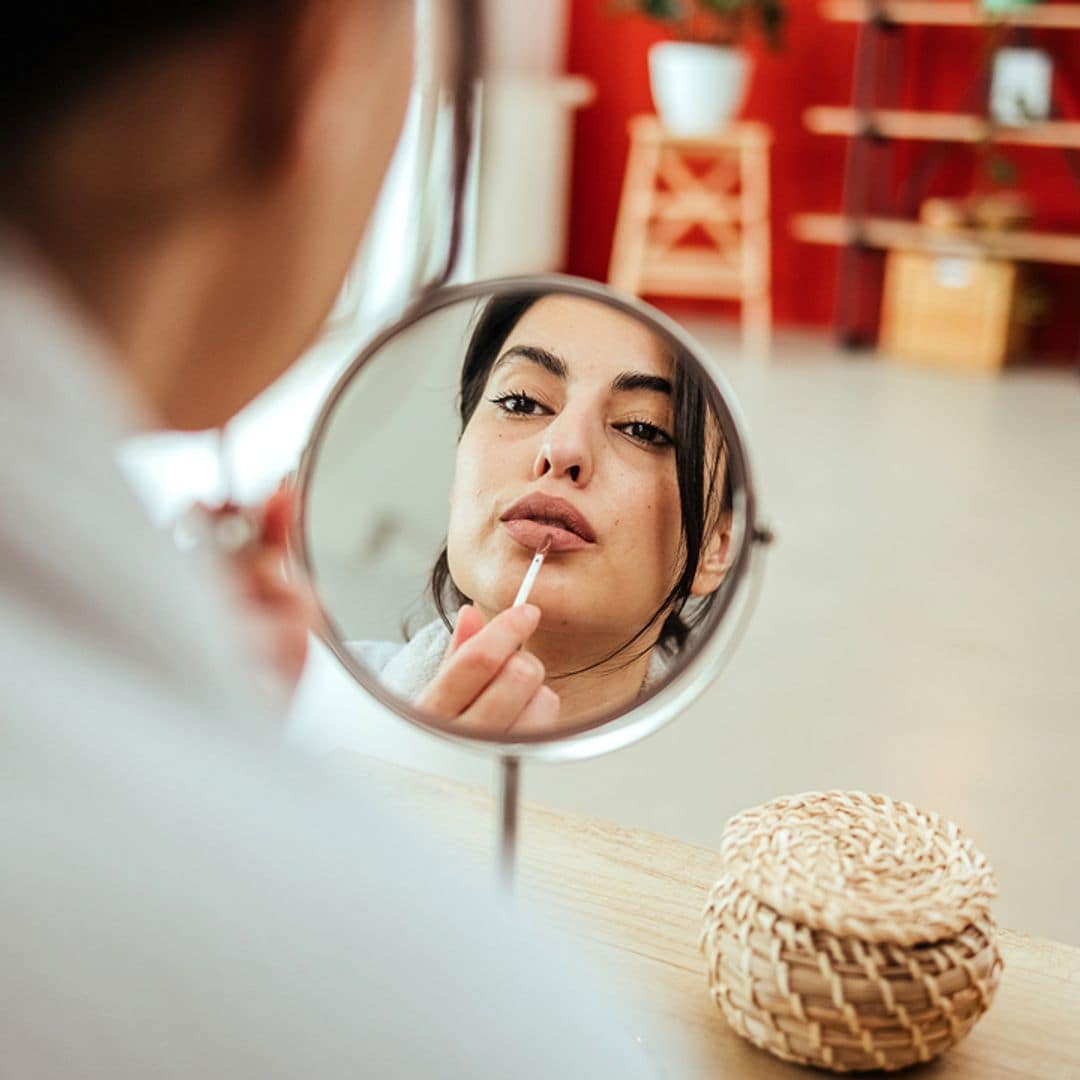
(699, 80)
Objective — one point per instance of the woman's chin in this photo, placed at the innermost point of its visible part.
(555, 613)
(564, 597)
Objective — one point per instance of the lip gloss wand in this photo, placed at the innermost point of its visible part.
(530, 575)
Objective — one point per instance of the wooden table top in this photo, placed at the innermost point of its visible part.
(634, 901)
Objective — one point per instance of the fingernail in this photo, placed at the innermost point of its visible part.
(529, 619)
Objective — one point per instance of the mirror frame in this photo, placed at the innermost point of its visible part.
(738, 592)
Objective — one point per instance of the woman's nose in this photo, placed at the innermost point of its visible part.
(565, 452)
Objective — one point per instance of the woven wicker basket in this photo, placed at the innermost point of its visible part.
(850, 932)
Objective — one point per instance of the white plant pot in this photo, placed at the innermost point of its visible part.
(697, 89)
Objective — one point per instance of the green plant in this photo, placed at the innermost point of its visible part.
(716, 22)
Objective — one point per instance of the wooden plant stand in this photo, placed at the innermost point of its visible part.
(694, 220)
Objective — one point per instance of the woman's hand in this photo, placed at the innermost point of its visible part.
(282, 612)
(488, 686)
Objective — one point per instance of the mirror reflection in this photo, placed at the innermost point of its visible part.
(518, 515)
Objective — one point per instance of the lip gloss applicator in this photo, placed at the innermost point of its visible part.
(529, 579)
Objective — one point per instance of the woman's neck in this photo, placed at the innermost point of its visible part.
(592, 693)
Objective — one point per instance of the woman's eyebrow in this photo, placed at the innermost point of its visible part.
(639, 380)
(624, 382)
(549, 361)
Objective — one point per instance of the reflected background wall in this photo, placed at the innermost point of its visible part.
(379, 502)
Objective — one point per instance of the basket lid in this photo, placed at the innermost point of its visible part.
(859, 865)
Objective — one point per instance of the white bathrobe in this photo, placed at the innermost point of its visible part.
(407, 668)
(180, 897)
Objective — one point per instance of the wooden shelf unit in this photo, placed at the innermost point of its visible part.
(877, 208)
(887, 233)
(1046, 16)
(939, 127)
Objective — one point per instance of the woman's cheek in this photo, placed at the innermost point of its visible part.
(668, 523)
(471, 476)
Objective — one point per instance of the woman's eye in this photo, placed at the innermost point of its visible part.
(644, 432)
(518, 404)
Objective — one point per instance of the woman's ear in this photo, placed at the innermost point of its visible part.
(714, 562)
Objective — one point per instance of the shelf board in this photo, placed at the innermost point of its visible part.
(1049, 16)
(878, 232)
(939, 127)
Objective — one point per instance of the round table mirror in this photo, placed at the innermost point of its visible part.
(528, 515)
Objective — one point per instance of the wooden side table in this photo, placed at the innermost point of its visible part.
(694, 220)
(633, 902)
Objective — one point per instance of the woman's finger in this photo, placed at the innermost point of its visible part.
(539, 717)
(506, 697)
(260, 573)
(470, 622)
(276, 517)
(467, 673)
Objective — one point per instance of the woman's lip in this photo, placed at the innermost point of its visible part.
(531, 534)
(552, 511)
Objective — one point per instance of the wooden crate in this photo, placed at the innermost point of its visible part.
(956, 312)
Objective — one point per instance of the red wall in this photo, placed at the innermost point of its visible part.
(807, 170)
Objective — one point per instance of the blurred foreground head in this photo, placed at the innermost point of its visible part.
(199, 173)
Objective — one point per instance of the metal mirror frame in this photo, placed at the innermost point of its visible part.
(738, 591)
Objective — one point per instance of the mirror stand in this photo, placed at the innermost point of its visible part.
(509, 778)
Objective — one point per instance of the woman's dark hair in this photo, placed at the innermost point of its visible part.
(704, 487)
(51, 55)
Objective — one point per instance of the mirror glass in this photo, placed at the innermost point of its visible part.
(495, 423)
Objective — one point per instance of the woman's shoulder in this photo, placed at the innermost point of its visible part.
(405, 667)
(375, 654)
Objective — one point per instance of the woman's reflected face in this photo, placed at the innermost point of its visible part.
(573, 439)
